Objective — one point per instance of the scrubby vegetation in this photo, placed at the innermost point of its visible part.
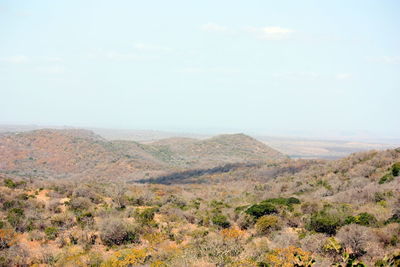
(275, 213)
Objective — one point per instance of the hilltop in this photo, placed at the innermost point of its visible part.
(73, 154)
(50, 153)
(218, 150)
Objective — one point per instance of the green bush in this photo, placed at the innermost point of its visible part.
(146, 216)
(395, 217)
(85, 219)
(391, 260)
(10, 183)
(325, 222)
(396, 169)
(220, 220)
(15, 216)
(261, 209)
(386, 178)
(283, 201)
(394, 172)
(51, 232)
(11, 204)
(267, 223)
(364, 218)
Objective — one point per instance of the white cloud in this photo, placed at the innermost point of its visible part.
(213, 27)
(343, 76)
(271, 33)
(19, 59)
(150, 47)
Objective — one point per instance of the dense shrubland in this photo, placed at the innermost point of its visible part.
(287, 213)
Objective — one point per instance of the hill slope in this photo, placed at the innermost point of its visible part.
(82, 154)
(219, 150)
(73, 153)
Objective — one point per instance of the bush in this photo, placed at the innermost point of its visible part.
(325, 222)
(51, 233)
(386, 178)
(259, 210)
(395, 217)
(79, 204)
(10, 183)
(391, 260)
(116, 232)
(15, 217)
(283, 201)
(146, 216)
(128, 257)
(266, 224)
(364, 218)
(354, 237)
(290, 256)
(220, 220)
(85, 219)
(7, 238)
(396, 169)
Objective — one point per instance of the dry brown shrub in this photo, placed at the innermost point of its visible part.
(355, 237)
(313, 243)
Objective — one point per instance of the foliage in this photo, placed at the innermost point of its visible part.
(261, 209)
(396, 169)
(220, 220)
(394, 172)
(390, 260)
(232, 233)
(85, 219)
(267, 223)
(51, 232)
(290, 256)
(395, 218)
(10, 183)
(145, 216)
(116, 232)
(75, 256)
(332, 245)
(7, 238)
(325, 222)
(15, 217)
(127, 257)
(386, 178)
(364, 218)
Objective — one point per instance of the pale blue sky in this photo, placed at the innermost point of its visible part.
(271, 67)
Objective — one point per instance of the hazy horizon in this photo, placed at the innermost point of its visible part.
(287, 68)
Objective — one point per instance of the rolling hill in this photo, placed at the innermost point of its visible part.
(219, 150)
(53, 153)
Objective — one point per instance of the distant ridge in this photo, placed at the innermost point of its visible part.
(221, 149)
(77, 153)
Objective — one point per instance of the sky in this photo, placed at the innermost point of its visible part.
(306, 68)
